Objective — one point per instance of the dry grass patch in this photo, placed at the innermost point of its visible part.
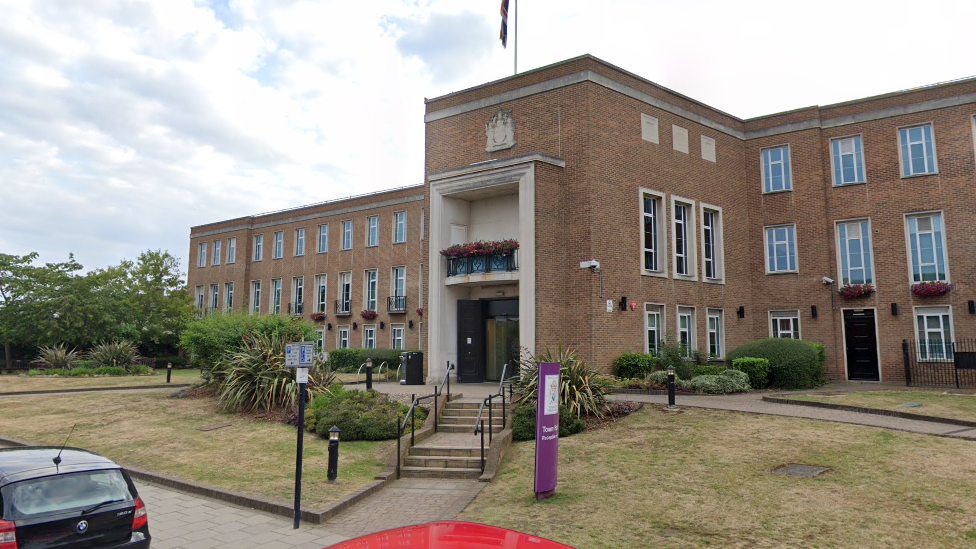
(702, 478)
(10, 383)
(936, 403)
(151, 431)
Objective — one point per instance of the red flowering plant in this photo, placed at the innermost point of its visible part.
(854, 291)
(480, 248)
(368, 314)
(317, 316)
(929, 289)
(420, 311)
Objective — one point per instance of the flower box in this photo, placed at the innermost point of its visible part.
(368, 314)
(931, 289)
(855, 291)
(481, 248)
(317, 316)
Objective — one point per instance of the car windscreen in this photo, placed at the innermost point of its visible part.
(72, 491)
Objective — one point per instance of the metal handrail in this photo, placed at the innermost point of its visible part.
(447, 381)
(414, 400)
(485, 401)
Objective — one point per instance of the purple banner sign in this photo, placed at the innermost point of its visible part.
(547, 430)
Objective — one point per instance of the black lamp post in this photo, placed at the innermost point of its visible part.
(369, 374)
(169, 371)
(333, 453)
(671, 387)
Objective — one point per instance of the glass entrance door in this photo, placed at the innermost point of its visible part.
(502, 342)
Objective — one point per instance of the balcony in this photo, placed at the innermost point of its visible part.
(396, 304)
(343, 308)
(295, 308)
(460, 266)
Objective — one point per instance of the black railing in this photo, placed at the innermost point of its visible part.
(396, 304)
(479, 425)
(939, 363)
(343, 308)
(414, 400)
(482, 264)
(295, 308)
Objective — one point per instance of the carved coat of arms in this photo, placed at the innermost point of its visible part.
(501, 131)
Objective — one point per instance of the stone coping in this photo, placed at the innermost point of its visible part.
(784, 399)
(92, 389)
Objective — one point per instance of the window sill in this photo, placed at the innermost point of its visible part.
(778, 192)
(659, 274)
(714, 280)
(256, 260)
(688, 278)
(851, 184)
(403, 242)
(768, 273)
(917, 175)
(325, 252)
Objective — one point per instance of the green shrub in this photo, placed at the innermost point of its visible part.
(672, 353)
(583, 389)
(108, 371)
(360, 415)
(80, 371)
(57, 356)
(216, 336)
(140, 370)
(523, 422)
(756, 368)
(707, 370)
(730, 381)
(793, 364)
(178, 362)
(345, 360)
(85, 363)
(631, 365)
(660, 377)
(34, 372)
(121, 354)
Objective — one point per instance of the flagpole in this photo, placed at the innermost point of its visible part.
(516, 36)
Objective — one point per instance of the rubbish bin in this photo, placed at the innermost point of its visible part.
(412, 366)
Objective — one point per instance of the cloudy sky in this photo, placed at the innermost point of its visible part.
(124, 123)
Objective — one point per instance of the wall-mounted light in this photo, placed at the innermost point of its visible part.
(813, 311)
(972, 307)
(623, 303)
(741, 312)
(410, 324)
(328, 326)
(354, 326)
(894, 309)
(381, 325)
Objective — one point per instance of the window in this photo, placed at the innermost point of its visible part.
(683, 238)
(299, 241)
(398, 280)
(712, 244)
(399, 227)
(369, 301)
(396, 332)
(776, 169)
(216, 253)
(214, 297)
(345, 292)
(279, 245)
(654, 315)
(652, 236)
(255, 296)
(202, 254)
(716, 334)
(319, 340)
(686, 330)
(258, 246)
(275, 296)
(917, 150)
(199, 301)
(926, 248)
(323, 238)
(342, 337)
(854, 251)
(297, 295)
(780, 249)
(372, 231)
(231, 249)
(369, 336)
(784, 324)
(320, 283)
(934, 333)
(346, 235)
(228, 296)
(848, 160)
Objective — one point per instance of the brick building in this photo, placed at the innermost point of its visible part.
(706, 227)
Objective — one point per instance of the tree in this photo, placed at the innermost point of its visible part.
(14, 274)
(159, 298)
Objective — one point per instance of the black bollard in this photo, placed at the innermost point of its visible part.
(671, 387)
(169, 371)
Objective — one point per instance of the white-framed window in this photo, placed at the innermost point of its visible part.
(342, 337)
(228, 296)
(784, 324)
(255, 296)
(686, 330)
(323, 243)
(369, 336)
(934, 325)
(399, 227)
(214, 297)
(653, 327)
(716, 333)
(917, 150)
(346, 235)
(297, 295)
(275, 296)
(926, 247)
(398, 281)
(232, 249)
(258, 247)
(776, 169)
(847, 159)
(279, 245)
(300, 241)
(345, 292)
(321, 281)
(683, 238)
(202, 254)
(780, 249)
(854, 252)
(370, 289)
(396, 336)
(319, 340)
(713, 244)
(372, 231)
(653, 233)
(216, 253)
(199, 297)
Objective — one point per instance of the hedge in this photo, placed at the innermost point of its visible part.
(793, 364)
(634, 365)
(523, 421)
(730, 381)
(756, 368)
(349, 360)
(360, 415)
(707, 370)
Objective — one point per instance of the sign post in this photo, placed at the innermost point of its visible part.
(299, 356)
(547, 430)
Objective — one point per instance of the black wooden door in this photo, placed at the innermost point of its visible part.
(471, 342)
(862, 345)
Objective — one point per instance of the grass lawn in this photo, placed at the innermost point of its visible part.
(11, 383)
(934, 402)
(701, 478)
(149, 430)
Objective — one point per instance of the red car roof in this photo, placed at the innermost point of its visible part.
(450, 534)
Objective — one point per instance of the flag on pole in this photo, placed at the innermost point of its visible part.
(503, 35)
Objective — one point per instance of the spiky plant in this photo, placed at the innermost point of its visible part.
(121, 354)
(582, 389)
(57, 356)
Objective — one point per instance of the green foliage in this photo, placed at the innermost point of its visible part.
(57, 356)
(178, 362)
(730, 381)
(583, 389)
(120, 354)
(707, 370)
(793, 364)
(660, 377)
(108, 371)
(756, 368)
(523, 422)
(349, 360)
(216, 336)
(34, 372)
(631, 365)
(78, 372)
(360, 415)
(345, 360)
(140, 370)
(672, 353)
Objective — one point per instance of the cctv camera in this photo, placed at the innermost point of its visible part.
(828, 281)
(591, 264)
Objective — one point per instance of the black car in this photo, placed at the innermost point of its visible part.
(69, 499)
